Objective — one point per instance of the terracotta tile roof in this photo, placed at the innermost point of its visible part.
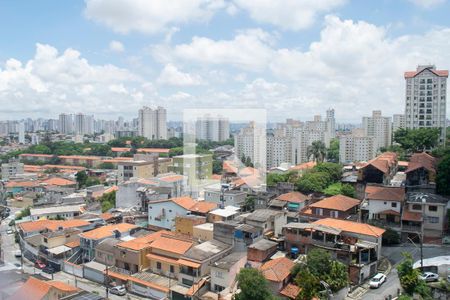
(249, 180)
(229, 166)
(422, 160)
(293, 197)
(13, 184)
(385, 193)
(216, 177)
(53, 225)
(351, 226)
(389, 212)
(188, 263)
(80, 157)
(59, 181)
(62, 286)
(337, 202)
(153, 150)
(171, 244)
(143, 242)
(277, 269)
(304, 166)
(383, 162)
(35, 155)
(73, 244)
(171, 178)
(156, 257)
(440, 73)
(402, 163)
(35, 289)
(290, 290)
(248, 171)
(120, 149)
(411, 216)
(185, 202)
(107, 231)
(203, 207)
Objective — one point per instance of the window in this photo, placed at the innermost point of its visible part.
(334, 214)
(158, 265)
(432, 208)
(433, 220)
(394, 204)
(219, 274)
(172, 269)
(417, 207)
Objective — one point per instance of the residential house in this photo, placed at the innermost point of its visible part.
(104, 251)
(162, 213)
(357, 245)
(66, 212)
(31, 228)
(383, 205)
(261, 250)
(278, 273)
(271, 221)
(230, 197)
(223, 214)
(224, 271)
(421, 169)
(424, 213)
(37, 289)
(337, 207)
(296, 201)
(90, 239)
(379, 170)
(185, 224)
(203, 232)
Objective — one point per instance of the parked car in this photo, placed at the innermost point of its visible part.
(448, 278)
(39, 264)
(18, 253)
(429, 276)
(377, 280)
(48, 270)
(118, 290)
(9, 231)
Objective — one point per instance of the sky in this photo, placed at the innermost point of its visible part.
(294, 58)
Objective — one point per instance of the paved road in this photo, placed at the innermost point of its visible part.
(394, 254)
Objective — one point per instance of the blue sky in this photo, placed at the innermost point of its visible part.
(295, 58)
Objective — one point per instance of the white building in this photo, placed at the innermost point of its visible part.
(251, 142)
(153, 123)
(379, 127)
(353, 148)
(212, 128)
(398, 121)
(21, 133)
(65, 124)
(84, 124)
(12, 168)
(426, 90)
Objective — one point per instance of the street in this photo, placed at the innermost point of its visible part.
(394, 254)
(11, 270)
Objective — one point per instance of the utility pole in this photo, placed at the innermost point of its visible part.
(106, 282)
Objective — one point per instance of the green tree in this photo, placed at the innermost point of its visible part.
(390, 237)
(308, 283)
(333, 151)
(248, 162)
(337, 278)
(313, 182)
(249, 204)
(415, 140)
(90, 181)
(334, 170)
(317, 151)
(443, 176)
(409, 277)
(81, 178)
(217, 166)
(253, 285)
(106, 165)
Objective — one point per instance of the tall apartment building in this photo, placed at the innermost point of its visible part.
(212, 128)
(152, 123)
(398, 121)
(354, 148)
(12, 168)
(84, 124)
(65, 125)
(251, 142)
(379, 127)
(426, 90)
(21, 133)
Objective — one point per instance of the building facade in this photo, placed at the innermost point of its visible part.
(152, 123)
(380, 128)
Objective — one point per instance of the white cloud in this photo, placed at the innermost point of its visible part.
(116, 46)
(149, 16)
(170, 75)
(427, 3)
(53, 82)
(249, 50)
(288, 14)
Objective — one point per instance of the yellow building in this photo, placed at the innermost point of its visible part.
(185, 224)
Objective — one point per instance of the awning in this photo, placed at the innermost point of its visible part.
(189, 263)
(366, 245)
(162, 258)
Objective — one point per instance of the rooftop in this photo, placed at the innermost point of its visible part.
(230, 260)
(107, 244)
(206, 250)
(385, 193)
(107, 231)
(263, 245)
(55, 210)
(171, 244)
(420, 197)
(337, 202)
(293, 197)
(262, 215)
(277, 269)
(226, 212)
(353, 227)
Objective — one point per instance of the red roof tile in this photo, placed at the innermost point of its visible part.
(277, 269)
(337, 202)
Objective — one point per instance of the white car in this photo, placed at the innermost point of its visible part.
(118, 290)
(9, 231)
(429, 276)
(18, 253)
(377, 280)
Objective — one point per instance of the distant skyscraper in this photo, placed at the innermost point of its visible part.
(212, 128)
(426, 98)
(152, 123)
(250, 142)
(379, 127)
(398, 121)
(21, 133)
(65, 125)
(355, 148)
(84, 124)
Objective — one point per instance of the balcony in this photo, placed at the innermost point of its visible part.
(411, 228)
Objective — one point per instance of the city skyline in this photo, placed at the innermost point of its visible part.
(328, 55)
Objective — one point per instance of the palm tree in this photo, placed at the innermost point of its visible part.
(317, 150)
